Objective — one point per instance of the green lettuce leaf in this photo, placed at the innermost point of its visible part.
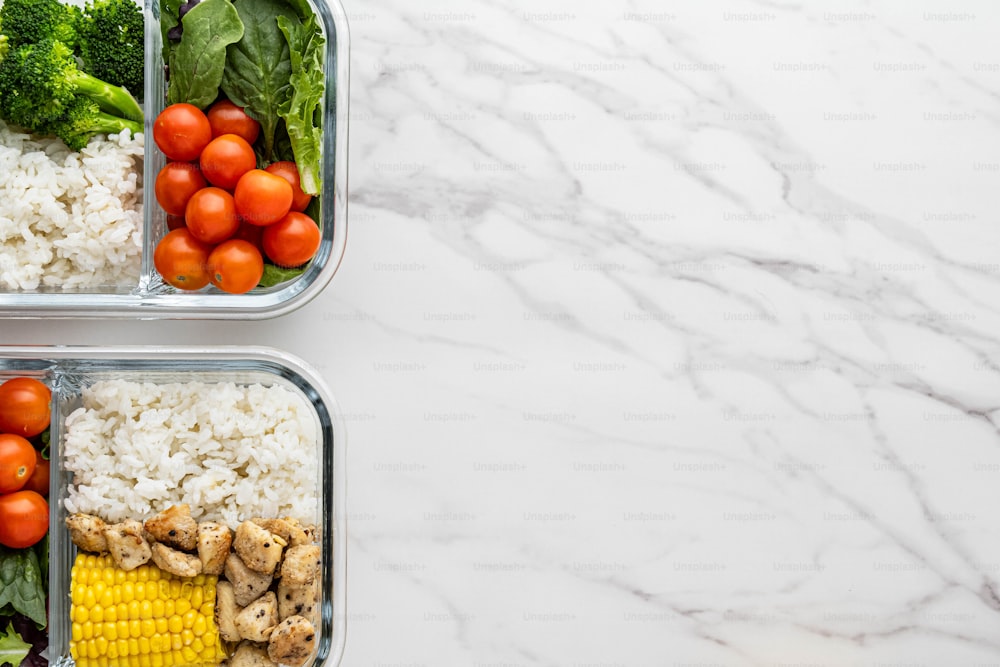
(13, 649)
(301, 110)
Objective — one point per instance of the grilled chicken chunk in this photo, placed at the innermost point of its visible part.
(87, 532)
(214, 540)
(292, 642)
(174, 527)
(288, 529)
(299, 600)
(258, 619)
(247, 584)
(301, 564)
(175, 562)
(249, 654)
(226, 610)
(259, 548)
(127, 545)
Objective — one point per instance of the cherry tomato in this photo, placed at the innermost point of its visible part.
(24, 407)
(292, 241)
(236, 266)
(211, 215)
(24, 519)
(182, 131)
(225, 159)
(17, 462)
(182, 260)
(39, 480)
(289, 172)
(262, 198)
(175, 184)
(227, 118)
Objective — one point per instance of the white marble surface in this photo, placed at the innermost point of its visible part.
(667, 334)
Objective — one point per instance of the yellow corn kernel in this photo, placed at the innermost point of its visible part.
(144, 646)
(122, 647)
(147, 628)
(80, 615)
(111, 613)
(88, 630)
(123, 627)
(197, 597)
(97, 614)
(187, 637)
(189, 618)
(128, 591)
(159, 608)
(181, 606)
(198, 646)
(161, 625)
(145, 609)
(199, 626)
(110, 631)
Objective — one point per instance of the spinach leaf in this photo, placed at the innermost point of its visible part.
(197, 63)
(258, 66)
(13, 649)
(300, 111)
(274, 275)
(21, 584)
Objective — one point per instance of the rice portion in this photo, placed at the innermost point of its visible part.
(232, 452)
(70, 219)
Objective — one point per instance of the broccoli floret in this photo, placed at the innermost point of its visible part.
(83, 119)
(39, 82)
(30, 21)
(112, 43)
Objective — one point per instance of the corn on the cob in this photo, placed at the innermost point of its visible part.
(141, 618)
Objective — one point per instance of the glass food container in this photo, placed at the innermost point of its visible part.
(149, 297)
(69, 370)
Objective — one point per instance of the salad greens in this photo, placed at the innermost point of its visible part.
(22, 588)
(199, 59)
(302, 110)
(258, 67)
(13, 649)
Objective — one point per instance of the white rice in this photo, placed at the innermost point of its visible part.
(231, 452)
(69, 219)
